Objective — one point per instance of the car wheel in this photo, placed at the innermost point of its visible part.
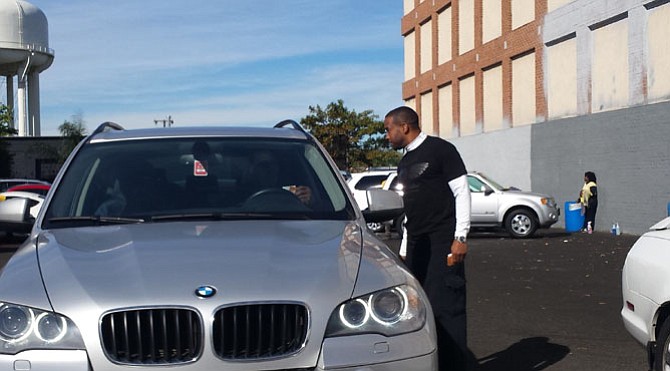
(399, 224)
(662, 351)
(376, 227)
(521, 223)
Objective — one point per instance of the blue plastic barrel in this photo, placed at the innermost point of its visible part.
(574, 220)
(668, 208)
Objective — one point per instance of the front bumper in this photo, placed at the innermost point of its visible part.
(549, 216)
(45, 360)
(371, 352)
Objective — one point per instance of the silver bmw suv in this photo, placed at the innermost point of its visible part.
(208, 249)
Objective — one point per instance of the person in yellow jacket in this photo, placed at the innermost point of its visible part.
(588, 197)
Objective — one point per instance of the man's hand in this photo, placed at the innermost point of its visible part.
(458, 251)
(304, 193)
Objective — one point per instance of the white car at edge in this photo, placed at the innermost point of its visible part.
(645, 286)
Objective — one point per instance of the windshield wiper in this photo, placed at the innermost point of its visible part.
(96, 219)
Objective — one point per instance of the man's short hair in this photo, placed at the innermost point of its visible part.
(404, 114)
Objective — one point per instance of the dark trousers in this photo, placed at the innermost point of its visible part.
(590, 216)
(445, 287)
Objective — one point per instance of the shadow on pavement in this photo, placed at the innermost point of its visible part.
(529, 354)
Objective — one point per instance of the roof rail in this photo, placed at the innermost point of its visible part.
(294, 124)
(107, 126)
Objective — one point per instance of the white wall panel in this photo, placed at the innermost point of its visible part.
(610, 67)
(466, 26)
(467, 117)
(445, 111)
(444, 36)
(561, 79)
(426, 54)
(523, 90)
(493, 106)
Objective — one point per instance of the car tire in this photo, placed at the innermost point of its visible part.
(661, 356)
(376, 227)
(521, 223)
(399, 224)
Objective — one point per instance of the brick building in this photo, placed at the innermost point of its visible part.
(534, 93)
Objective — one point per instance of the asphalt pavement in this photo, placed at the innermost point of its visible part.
(551, 302)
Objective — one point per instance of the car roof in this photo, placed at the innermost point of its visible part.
(196, 131)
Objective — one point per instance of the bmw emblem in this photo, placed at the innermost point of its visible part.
(205, 291)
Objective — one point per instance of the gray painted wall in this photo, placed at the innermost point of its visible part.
(628, 149)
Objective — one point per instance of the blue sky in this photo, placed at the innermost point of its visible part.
(223, 62)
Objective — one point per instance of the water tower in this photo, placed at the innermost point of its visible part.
(24, 53)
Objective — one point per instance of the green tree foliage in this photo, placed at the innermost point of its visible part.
(354, 140)
(6, 129)
(73, 132)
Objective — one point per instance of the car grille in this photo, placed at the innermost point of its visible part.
(152, 336)
(259, 331)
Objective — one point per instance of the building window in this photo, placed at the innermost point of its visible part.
(491, 20)
(426, 54)
(410, 53)
(466, 26)
(408, 6)
(658, 77)
(444, 36)
(427, 113)
(468, 117)
(609, 79)
(493, 96)
(523, 11)
(445, 111)
(561, 78)
(523, 90)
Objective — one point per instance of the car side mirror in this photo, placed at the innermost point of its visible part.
(382, 205)
(15, 211)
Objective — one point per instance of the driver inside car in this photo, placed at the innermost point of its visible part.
(265, 174)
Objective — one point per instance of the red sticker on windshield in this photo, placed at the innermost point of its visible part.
(199, 169)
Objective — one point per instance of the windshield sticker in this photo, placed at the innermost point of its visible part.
(199, 169)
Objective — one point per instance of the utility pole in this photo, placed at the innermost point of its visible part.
(166, 122)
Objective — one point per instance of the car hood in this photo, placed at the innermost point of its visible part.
(163, 263)
(520, 193)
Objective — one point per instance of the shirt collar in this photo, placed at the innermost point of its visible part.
(416, 142)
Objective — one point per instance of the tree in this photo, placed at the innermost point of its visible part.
(354, 140)
(6, 129)
(73, 132)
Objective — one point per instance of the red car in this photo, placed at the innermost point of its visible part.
(41, 189)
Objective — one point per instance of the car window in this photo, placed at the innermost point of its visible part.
(370, 181)
(476, 185)
(160, 178)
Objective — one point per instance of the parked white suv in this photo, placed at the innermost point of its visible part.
(646, 296)
(360, 183)
(494, 206)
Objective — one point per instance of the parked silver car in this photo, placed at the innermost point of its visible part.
(209, 249)
(521, 213)
(494, 206)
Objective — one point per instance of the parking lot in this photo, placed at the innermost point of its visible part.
(548, 303)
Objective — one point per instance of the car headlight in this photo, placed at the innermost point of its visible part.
(389, 312)
(549, 201)
(23, 328)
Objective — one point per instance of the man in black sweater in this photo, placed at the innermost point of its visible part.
(437, 207)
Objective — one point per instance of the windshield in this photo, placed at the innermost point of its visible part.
(157, 180)
(491, 182)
